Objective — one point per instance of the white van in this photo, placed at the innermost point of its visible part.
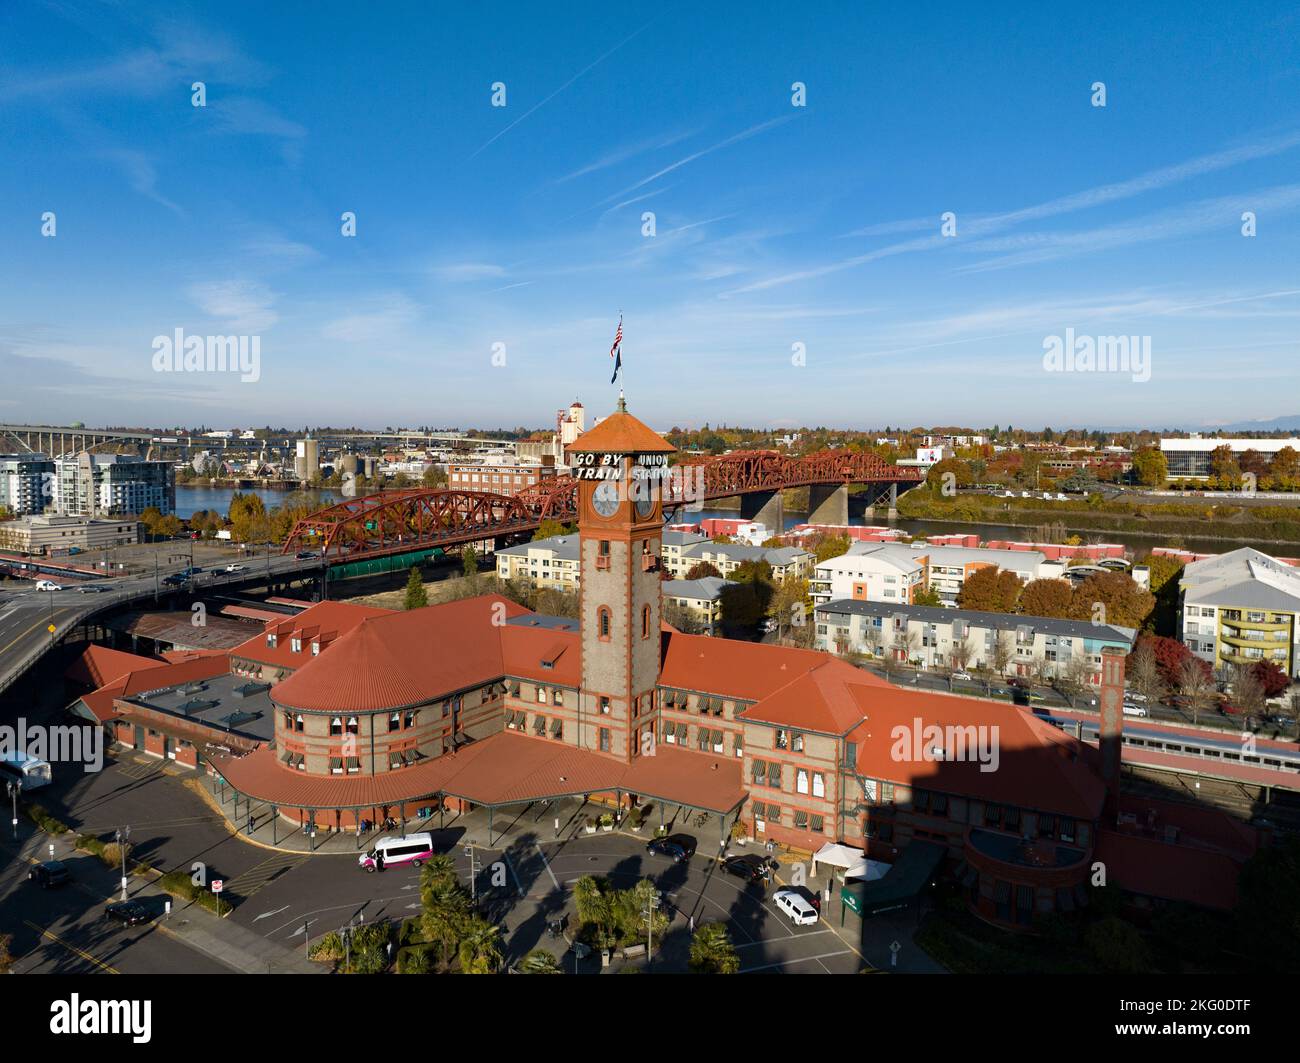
(48, 585)
(1133, 709)
(801, 913)
(413, 849)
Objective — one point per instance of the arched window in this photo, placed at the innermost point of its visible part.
(603, 622)
(336, 725)
(352, 725)
(645, 621)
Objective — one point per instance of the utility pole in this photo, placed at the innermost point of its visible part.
(123, 836)
(473, 872)
(652, 905)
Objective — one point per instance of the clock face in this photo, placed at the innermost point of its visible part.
(644, 494)
(604, 500)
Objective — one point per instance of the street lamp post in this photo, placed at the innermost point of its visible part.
(123, 835)
(652, 905)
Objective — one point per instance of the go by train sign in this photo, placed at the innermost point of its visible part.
(589, 466)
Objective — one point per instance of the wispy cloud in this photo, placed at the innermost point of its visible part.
(242, 305)
(735, 138)
(626, 153)
(989, 225)
(468, 271)
(538, 106)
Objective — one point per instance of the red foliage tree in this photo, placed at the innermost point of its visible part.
(1271, 678)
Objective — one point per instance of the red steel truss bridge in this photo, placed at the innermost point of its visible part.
(394, 522)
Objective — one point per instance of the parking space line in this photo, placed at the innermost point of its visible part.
(546, 864)
(71, 948)
(796, 959)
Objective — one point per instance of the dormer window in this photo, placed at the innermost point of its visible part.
(271, 639)
(315, 649)
(295, 644)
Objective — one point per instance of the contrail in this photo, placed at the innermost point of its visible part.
(563, 87)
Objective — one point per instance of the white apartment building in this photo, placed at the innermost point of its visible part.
(930, 636)
(786, 561)
(95, 485)
(898, 572)
(700, 598)
(552, 562)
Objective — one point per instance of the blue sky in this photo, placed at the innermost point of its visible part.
(775, 225)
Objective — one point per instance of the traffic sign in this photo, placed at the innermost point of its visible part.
(218, 885)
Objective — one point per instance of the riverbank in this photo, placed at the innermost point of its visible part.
(1222, 524)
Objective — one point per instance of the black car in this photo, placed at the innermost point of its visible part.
(679, 846)
(749, 867)
(50, 874)
(304, 555)
(128, 913)
(811, 896)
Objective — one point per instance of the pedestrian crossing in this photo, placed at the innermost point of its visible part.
(247, 883)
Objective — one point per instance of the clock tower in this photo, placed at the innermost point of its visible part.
(620, 466)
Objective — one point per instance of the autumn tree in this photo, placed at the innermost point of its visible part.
(990, 590)
(1272, 679)
(702, 570)
(1120, 599)
(1150, 467)
(1047, 597)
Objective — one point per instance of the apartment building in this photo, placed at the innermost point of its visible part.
(552, 562)
(786, 561)
(106, 485)
(26, 483)
(701, 598)
(898, 572)
(1242, 607)
(674, 541)
(931, 637)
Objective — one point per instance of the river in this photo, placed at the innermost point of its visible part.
(191, 499)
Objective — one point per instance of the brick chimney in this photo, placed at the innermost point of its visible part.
(1110, 739)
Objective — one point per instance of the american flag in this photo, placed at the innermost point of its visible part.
(616, 351)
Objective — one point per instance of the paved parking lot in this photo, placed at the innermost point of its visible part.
(524, 880)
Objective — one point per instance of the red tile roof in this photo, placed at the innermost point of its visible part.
(621, 433)
(1038, 766)
(394, 660)
(98, 665)
(172, 675)
(504, 768)
(1173, 872)
(745, 670)
(323, 616)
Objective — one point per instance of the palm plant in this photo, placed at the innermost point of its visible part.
(712, 951)
(539, 961)
(480, 947)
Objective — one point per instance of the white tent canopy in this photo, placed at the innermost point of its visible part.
(853, 861)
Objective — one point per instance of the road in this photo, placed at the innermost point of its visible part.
(26, 613)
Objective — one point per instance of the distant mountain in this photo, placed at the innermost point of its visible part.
(1275, 424)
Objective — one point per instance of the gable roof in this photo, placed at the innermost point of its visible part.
(328, 619)
(395, 660)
